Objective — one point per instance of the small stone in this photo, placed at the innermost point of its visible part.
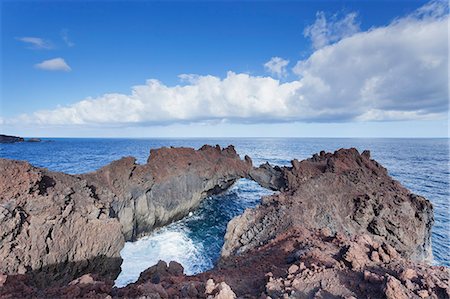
(394, 289)
(85, 279)
(327, 232)
(225, 292)
(408, 274)
(390, 251)
(383, 255)
(293, 269)
(302, 266)
(423, 294)
(375, 257)
(372, 277)
(210, 286)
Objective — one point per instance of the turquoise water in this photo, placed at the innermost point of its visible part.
(422, 165)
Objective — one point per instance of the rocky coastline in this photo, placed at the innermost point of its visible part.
(338, 227)
(15, 139)
(10, 139)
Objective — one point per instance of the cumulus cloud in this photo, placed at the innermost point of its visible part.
(55, 64)
(396, 72)
(277, 66)
(36, 42)
(402, 67)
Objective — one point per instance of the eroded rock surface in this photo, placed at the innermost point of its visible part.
(168, 186)
(340, 227)
(299, 263)
(54, 225)
(345, 192)
(60, 226)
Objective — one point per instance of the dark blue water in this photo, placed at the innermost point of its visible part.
(422, 165)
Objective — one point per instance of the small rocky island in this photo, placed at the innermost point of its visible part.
(10, 139)
(338, 227)
(14, 139)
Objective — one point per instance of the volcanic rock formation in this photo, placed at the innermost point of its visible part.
(339, 227)
(168, 186)
(299, 263)
(61, 226)
(345, 192)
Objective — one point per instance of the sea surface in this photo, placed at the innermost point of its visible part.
(422, 165)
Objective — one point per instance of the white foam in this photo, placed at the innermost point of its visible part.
(168, 244)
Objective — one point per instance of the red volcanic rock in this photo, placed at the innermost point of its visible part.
(59, 226)
(54, 225)
(173, 182)
(299, 263)
(345, 192)
(340, 227)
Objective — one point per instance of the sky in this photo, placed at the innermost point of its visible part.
(224, 69)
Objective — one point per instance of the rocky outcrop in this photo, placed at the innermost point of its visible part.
(33, 140)
(346, 192)
(60, 226)
(55, 225)
(299, 263)
(168, 186)
(340, 227)
(268, 177)
(10, 139)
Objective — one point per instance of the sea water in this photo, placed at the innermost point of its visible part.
(422, 165)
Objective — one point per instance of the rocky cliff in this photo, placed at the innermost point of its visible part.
(339, 227)
(60, 226)
(55, 225)
(168, 186)
(344, 191)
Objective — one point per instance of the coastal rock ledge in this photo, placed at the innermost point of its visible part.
(338, 227)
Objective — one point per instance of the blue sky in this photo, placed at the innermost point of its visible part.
(58, 54)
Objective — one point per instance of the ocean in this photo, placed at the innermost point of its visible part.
(421, 165)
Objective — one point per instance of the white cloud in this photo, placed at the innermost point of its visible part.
(402, 67)
(36, 42)
(396, 72)
(66, 39)
(324, 32)
(55, 64)
(277, 66)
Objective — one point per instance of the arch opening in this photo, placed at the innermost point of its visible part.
(194, 241)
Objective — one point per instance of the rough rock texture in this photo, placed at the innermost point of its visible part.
(345, 192)
(173, 182)
(299, 263)
(54, 225)
(339, 228)
(10, 139)
(60, 226)
(268, 177)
